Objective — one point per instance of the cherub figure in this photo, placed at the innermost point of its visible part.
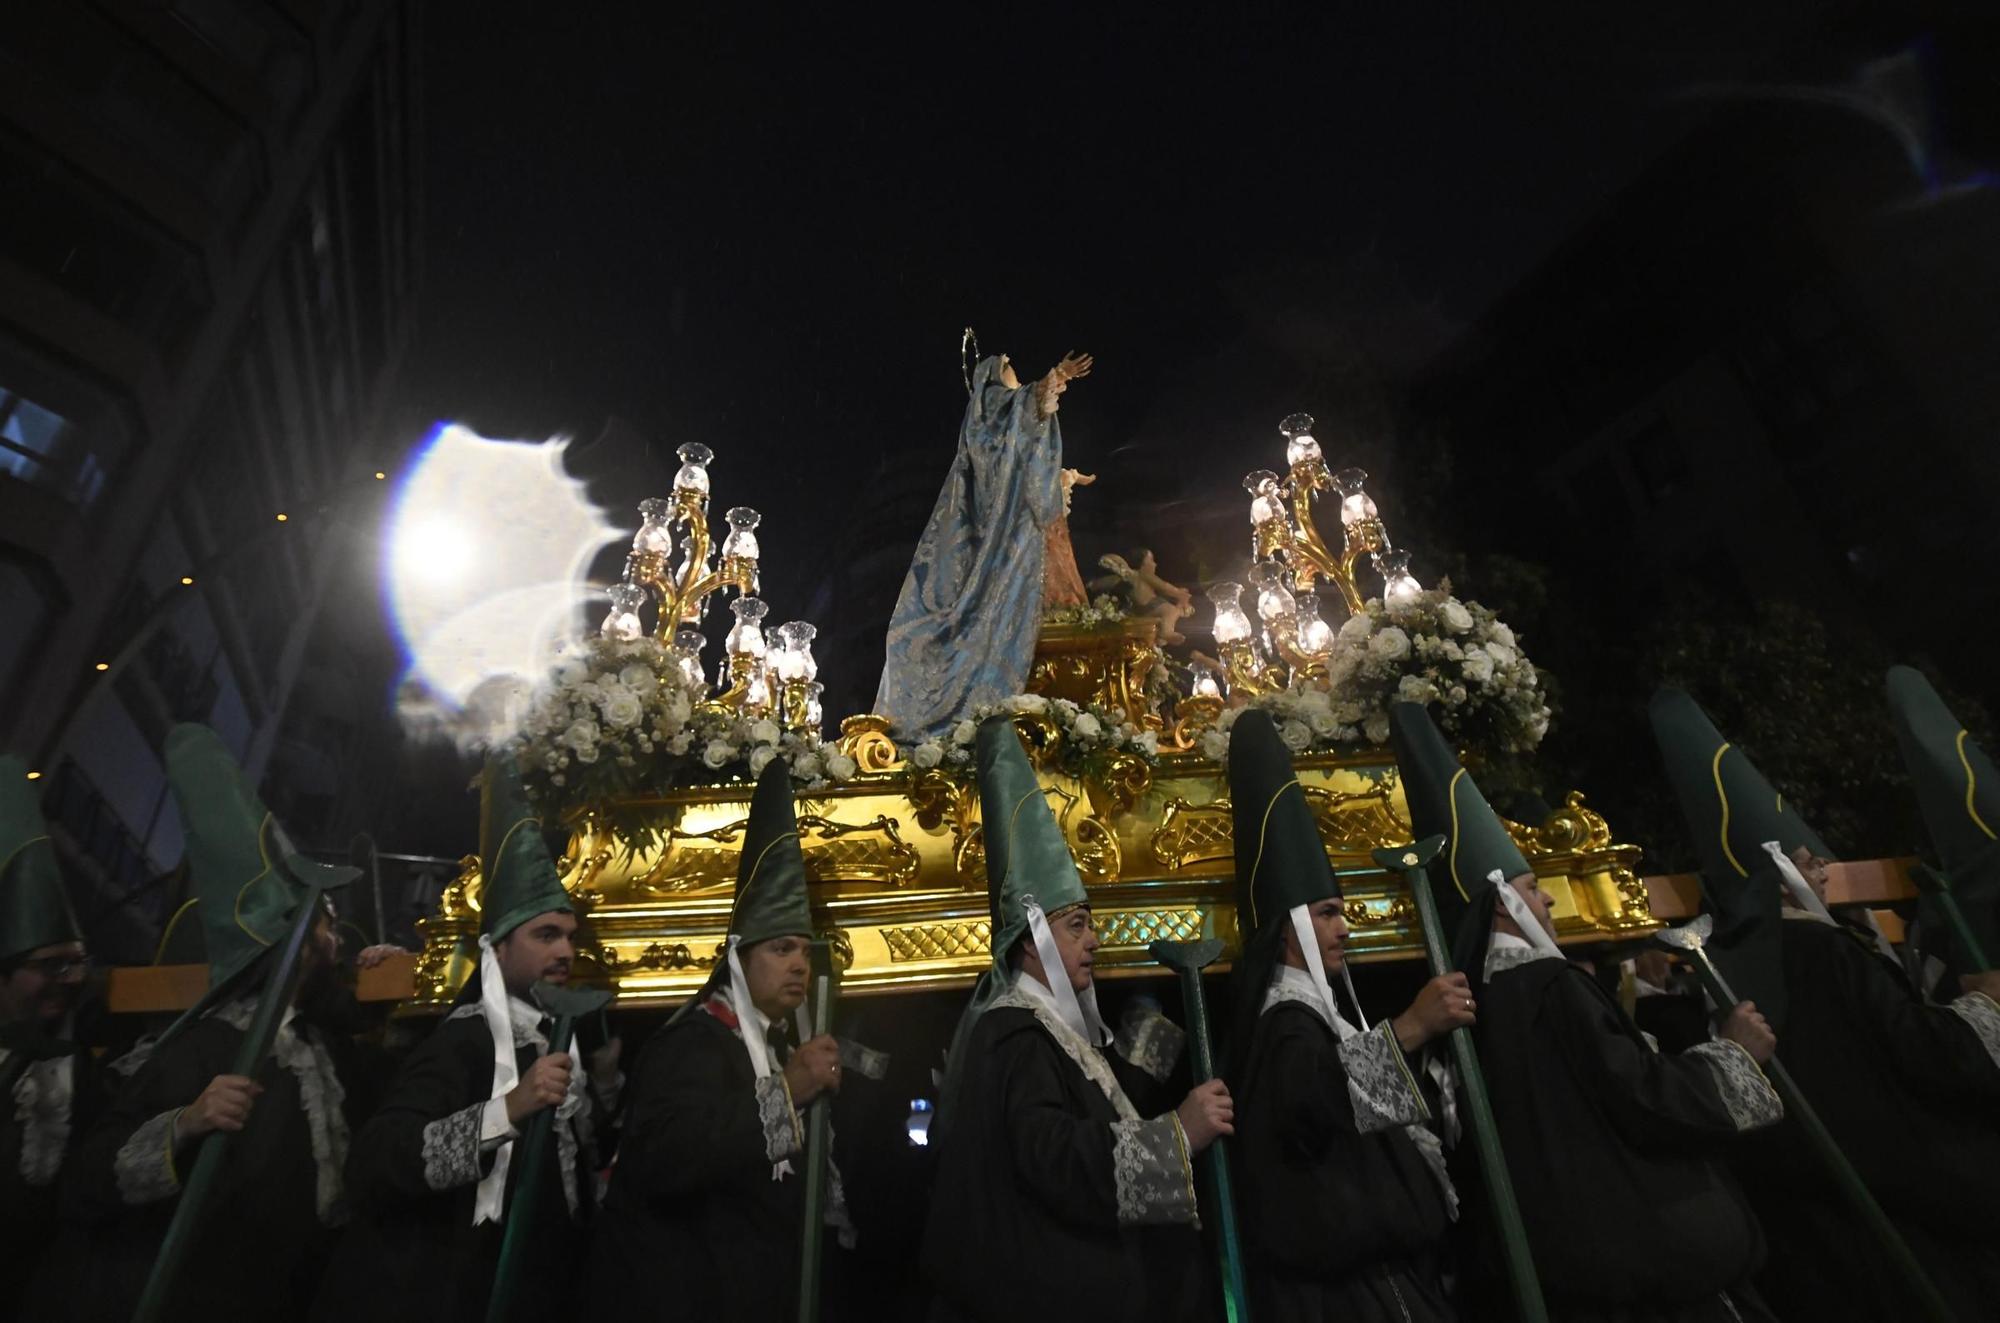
(1151, 595)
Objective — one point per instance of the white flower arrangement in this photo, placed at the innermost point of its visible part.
(1457, 658)
(617, 719)
(1103, 609)
(1089, 734)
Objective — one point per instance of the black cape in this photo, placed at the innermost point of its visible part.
(262, 1247)
(1913, 1098)
(1337, 1224)
(1612, 1148)
(28, 1212)
(412, 1252)
(1024, 1213)
(692, 1199)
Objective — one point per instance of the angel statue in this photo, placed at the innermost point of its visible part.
(965, 624)
(1151, 595)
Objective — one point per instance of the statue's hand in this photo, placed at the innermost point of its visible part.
(1073, 366)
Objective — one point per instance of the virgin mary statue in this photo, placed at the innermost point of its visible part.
(965, 624)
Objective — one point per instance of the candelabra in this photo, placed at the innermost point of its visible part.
(1288, 641)
(754, 677)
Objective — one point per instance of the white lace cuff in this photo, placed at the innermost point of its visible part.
(145, 1162)
(494, 1127)
(1751, 1100)
(1983, 1014)
(453, 1146)
(1149, 1161)
(782, 1135)
(1151, 1042)
(1379, 1084)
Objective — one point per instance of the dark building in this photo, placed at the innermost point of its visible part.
(208, 269)
(1762, 368)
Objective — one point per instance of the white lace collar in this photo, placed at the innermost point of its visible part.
(1289, 983)
(1029, 994)
(1505, 951)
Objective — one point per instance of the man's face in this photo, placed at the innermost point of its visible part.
(1329, 927)
(1813, 869)
(538, 951)
(776, 970)
(44, 984)
(1075, 933)
(1529, 888)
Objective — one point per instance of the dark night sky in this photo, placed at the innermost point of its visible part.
(765, 234)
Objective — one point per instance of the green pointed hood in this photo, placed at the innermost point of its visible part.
(1731, 810)
(1444, 800)
(34, 905)
(771, 877)
(1958, 790)
(248, 880)
(1280, 858)
(517, 877)
(1025, 851)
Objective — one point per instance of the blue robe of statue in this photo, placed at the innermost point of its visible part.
(971, 607)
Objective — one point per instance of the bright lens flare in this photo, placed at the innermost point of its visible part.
(484, 569)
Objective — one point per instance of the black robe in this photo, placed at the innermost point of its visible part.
(412, 1252)
(1042, 1187)
(1342, 1217)
(693, 1200)
(28, 1208)
(263, 1243)
(1912, 1096)
(1613, 1150)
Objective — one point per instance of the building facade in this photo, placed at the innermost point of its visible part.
(208, 271)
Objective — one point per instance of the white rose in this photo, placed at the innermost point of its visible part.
(1502, 655)
(1376, 728)
(926, 755)
(581, 735)
(1355, 628)
(1391, 644)
(1147, 743)
(588, 693)
(681, 743)
(840, 767)
(1028, 703)
(1322, 724)
(760, 758)
(965, 732)
(1478, 665)
(623, 709)
(1348, 713)
(1504, 635)
(678, 709)
(639, 679)
(587, 755)
(1066, 708)
(1347, 734)
(1455, 695)
(1298, 736)
(1086, 727)
(1415, 689)
(717, 753)
(765, 731)
(1214, 744)
(1456, 618)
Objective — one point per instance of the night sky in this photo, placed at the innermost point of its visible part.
(764, 233)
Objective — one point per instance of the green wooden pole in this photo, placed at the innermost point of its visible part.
(1923, 1292)
(1500, 1201)
(1937, 886)
(567, 1007)
(215, 1148)
(819, 1138)
(1188, 959)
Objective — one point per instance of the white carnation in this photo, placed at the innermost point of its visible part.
(840, 767)
(587, 755)
(926, 755)
(965, 732)
(717, 753)
(760, 758)
(1376, 728)
(1147, 742)
(1502, 655)
(1086, 727)
(1025, 703)
(1355, 628)
(1214, 744)
(765, 731)
(681, 743)
(1504, 635)
(1478, 664)
(581, 735)
(639, 679)
(1415, 689)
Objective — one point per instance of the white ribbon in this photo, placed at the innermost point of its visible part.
(1523, 917)
(755, 1029)
(491, 1200)
(1080, 1015)
(1302, 928)
(1808, 900)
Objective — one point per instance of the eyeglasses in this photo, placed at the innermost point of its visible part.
(58, 967)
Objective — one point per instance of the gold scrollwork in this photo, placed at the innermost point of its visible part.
(1364, 913)
(866, 740)
(1350, 822)
(659, 956)
(842, 855)
(1097, 855)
